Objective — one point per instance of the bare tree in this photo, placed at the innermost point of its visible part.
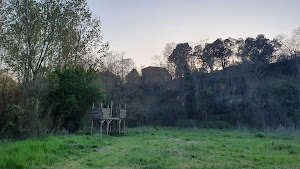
(119, 65)
(159, 60)
(290, 44)
(291, 47)
(170, 66)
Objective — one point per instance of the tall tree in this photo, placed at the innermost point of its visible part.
(118, 64)
(170, 66)
(259, 49)
(225, 51)
(47, 34)
(179, 57)
(218, 50)
(133, 77)
(292, 45)
(207, 57)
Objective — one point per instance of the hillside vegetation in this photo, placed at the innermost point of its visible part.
(157, 148)
(54, 64)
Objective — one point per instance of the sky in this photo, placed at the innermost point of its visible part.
(141, 28)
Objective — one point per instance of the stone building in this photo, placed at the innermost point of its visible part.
(155, 75)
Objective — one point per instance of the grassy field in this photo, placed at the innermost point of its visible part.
(156, 148)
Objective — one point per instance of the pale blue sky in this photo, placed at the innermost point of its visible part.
(142, 28)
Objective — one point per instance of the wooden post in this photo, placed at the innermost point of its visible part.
(119, 125)
(119, 112)
(124, 125)
(101, 124)
(92, 127)
(107, 126)
(110, 126)
(111, 107)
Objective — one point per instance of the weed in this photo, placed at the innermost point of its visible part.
(259, 135)
(280, 145)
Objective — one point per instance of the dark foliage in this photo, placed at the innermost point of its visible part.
(70, 95)
(12, 122)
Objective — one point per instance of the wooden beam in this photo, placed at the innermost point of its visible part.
(101, 124)
(92, 127)
(119, 125)
(107, 125)
(111, 107)
(124, 125)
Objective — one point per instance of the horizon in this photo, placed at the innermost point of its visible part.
(143, 28)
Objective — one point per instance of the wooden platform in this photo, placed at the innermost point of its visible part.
(102, 115)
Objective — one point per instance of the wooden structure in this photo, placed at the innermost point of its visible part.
(102, 115)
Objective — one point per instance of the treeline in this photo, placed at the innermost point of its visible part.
(252, 82)
(55, 65)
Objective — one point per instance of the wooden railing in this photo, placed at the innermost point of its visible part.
(102, 115)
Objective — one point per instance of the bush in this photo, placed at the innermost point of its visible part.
(11, 122)
(259, 135)
(70, 95)
(186, 123)
(280, 145)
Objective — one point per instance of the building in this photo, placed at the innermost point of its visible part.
(155, 75)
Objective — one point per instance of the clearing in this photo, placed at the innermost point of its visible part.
(156, 148)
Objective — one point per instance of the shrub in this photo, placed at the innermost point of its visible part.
(259, 135)
(11, 122)
(71, 93)
(186, 123)
(280, 145)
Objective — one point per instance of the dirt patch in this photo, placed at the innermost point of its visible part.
(99, 149)
(191, 142)
(73, 145)
(175, 139)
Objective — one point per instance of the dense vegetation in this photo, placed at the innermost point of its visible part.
(157, 148)
(55, 65)
(227, 83)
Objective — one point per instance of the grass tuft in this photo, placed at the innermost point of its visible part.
(259, 135)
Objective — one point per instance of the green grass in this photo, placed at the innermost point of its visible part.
(162, 148)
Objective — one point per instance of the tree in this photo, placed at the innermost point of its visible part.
(159, 60)
(117, 64)
(198, 54)
(112, 84)
(292, 45)
(170, 66)
(218, 50)
(9, 90)
(259, 49)
(70, 94)
(207, 57)
(179, 57)
(48, 34)
(225, 51)
(189, 87)
(133, 77)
